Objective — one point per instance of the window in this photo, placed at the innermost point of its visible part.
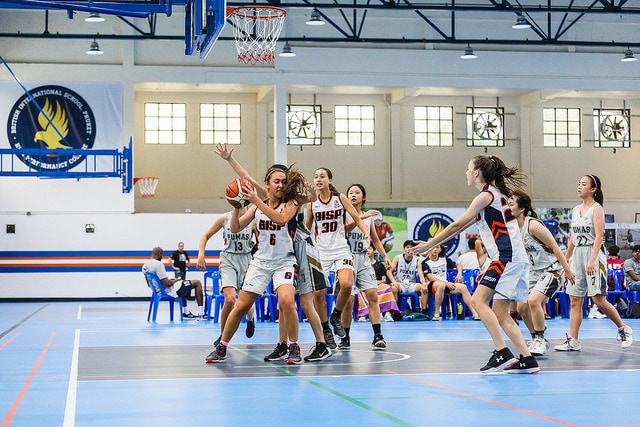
(220, 123)
(433, 126)
(561, 127)
(612, 128)
(304, 125)
(485, 127)
(165, 123)
(355, 124)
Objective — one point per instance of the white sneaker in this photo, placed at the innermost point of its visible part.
(594, 313)
(362, 319)
(625, 335)
(388, 317)
(538, 347)
(571, 344)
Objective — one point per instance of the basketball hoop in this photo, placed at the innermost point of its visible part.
(147, 185)
(256, 30)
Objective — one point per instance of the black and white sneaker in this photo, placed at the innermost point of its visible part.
(335, 321)
(345, 343)
(189, 315)
(217, 355)
(526, 365)
(280, 352)
(294, 355)
(379, 342)
(251, 328)
(328, 339)
(319, 352)
(499, 360)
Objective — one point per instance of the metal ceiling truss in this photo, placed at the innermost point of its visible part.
(549, 22)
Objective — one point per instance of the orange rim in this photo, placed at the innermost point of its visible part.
(279, 12)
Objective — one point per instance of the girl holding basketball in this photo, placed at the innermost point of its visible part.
(589, 262)
(328, 215)
(274, 261)
(506, 277)
(308, 278)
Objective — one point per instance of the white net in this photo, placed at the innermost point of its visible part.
(256, 30)
(147, 185)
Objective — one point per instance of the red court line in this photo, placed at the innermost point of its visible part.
(9, 340)
(483, 399)
(16, 403)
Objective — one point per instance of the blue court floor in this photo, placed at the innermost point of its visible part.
(102, 364)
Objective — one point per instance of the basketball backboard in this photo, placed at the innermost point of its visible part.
(204, 21)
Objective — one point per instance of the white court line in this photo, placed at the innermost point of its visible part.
(399, 357)
(72, 391)
(80, 312)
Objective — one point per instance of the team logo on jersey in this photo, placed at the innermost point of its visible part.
(433, 223)
(63, 120)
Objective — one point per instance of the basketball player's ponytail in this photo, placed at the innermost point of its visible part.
(495, 171)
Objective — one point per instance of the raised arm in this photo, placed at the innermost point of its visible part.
(215, 227)
(226, 153)
(465, 220)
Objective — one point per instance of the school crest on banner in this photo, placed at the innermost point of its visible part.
(52, 118)
(427, 223)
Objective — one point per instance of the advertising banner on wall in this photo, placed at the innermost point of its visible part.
(58, 116)
(425, 223)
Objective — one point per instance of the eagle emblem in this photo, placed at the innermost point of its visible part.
(54, 125)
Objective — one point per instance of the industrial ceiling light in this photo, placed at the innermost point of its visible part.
(94, 17)
(286, 51)
(521, 23)
(628, 56)
(315, 18)
(468, 53)
(94, 49)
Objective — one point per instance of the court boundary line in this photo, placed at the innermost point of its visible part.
(72, 390)
(23, 391)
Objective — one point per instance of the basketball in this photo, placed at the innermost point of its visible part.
(234, 192)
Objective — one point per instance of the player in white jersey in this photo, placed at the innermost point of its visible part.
(433, 269)
(326, 218)
(307, 282)
(273, 261)
(547, 265)
(365, 276)
(234, 260)
(506, 276)
(589, 262)
(403, 274)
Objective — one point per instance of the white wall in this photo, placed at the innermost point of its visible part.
(113, 232)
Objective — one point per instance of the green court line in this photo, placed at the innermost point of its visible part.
(327, 389)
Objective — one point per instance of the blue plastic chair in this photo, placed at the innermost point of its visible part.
(212, 294)
(267, 301)
(617, 274)
(158, 294)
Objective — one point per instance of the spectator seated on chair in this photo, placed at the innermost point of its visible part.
(175, 287)
(433, 270)
(632, 270)
(403, 272)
